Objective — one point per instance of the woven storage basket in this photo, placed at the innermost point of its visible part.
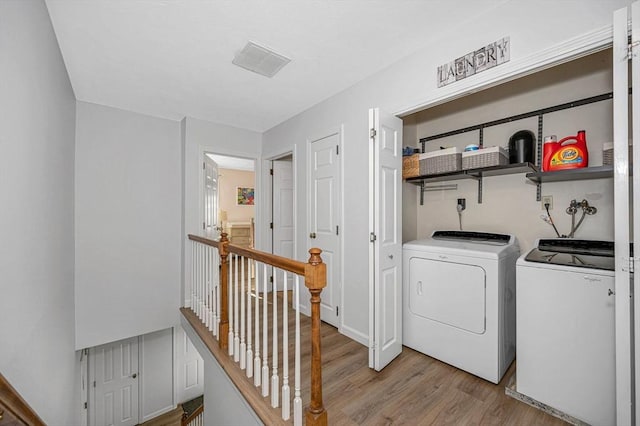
(442, 161)
(411, 166)
(485, 157)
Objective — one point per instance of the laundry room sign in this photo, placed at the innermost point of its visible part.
(487, 57)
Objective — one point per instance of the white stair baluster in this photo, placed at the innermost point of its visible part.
(203, 285)
(199, 292)
(214, 288)
(297, 400)
(230, 305)
(212, 285)
(217, 325)
(208, 285)
(243, 284)
(286, 404)
(249, 355)
(275, 382)
(192, 299)
(265, 338)
(196, 281)
(256, 360)
(236, 316)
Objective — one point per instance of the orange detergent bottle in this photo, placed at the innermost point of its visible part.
(568, 153)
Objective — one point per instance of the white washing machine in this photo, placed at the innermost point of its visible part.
(565, 328)
(459, 300)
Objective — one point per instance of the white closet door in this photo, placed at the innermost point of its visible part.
(385, 193)
(622, 224)
(635, 82)
(115, 383)
(324, 194)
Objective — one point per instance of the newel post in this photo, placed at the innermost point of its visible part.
(223, 328)
(315, 279)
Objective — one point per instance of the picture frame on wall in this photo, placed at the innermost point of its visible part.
(245, 196)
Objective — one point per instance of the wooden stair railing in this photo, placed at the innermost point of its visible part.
(212, 305)
(195, 418)
(13, 409)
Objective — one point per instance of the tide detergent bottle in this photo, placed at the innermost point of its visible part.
(567, 153)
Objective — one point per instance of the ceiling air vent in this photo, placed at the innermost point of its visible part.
(260, 60)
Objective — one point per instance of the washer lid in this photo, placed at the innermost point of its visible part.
(578, 253)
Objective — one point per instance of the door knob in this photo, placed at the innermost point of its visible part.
(312, 235)
(134, 375)
(611, 292)
(390, 256)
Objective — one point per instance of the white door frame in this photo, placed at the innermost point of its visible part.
(186, 253)
(268, 201)
(204, 150)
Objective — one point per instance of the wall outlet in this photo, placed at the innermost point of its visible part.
(546, 199)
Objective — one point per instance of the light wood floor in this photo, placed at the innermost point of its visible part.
(413, 390)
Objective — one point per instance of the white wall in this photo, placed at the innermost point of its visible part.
(223, 402)
(37, 116)
(156, 374)
(128, 213)
(540, 35)
(331, 115)
(509, 202)
(203, 136)
(228, 182)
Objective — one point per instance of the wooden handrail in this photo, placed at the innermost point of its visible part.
(315, 279)
(287, 264)
(18, 408)
(204, 240)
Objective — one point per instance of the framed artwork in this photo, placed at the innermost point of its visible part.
(244, 197)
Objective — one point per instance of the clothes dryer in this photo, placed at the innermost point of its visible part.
(459, 300)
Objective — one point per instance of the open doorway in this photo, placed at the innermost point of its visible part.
(281, 208)
(229, 199)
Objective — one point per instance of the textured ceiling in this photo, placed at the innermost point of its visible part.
(173, 58)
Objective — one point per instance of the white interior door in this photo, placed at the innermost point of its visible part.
(622, 225)
(190, 368)
(115, 385)
(210, 198)
(324, 209)
(385, 194)
(283, 212)
(635, 82)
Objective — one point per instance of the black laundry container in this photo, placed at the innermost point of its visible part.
(522, 147)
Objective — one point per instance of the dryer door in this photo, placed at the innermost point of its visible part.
(448, 292)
